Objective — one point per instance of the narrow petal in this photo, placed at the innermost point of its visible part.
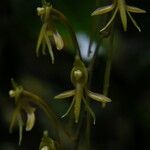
(98, 97)
(123, 15)
(103, 10)
(43, 48)
(134, 22)
(65, 94)
(135, 9)
(58, 41)
(30, 118)
(49, 46)
(110, 21)
(89, 110)
(20, 123)
(69, 109)
(14, 118)
(40, 39)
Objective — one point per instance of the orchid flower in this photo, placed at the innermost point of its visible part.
(22, 106)
(48, 31)
(79, 78)
(123, 9)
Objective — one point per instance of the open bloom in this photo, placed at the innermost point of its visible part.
(121, 7)
(22, 106)
(48, 31)
(79, 77)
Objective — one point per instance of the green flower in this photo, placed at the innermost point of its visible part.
(79, 78)
(48, 31)
(124, 9)
(48, 143)
(22, 106)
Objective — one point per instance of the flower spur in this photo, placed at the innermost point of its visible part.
(79, 78)
(124, 9)
(48, 31)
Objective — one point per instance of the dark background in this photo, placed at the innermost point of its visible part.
(125, 123)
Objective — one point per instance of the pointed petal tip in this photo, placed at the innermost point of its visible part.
(63, 116)
(102, 10)
(94, 122)
(135, 9)
(93, 13)
(124, 28)
(53, 61)
(98, 97)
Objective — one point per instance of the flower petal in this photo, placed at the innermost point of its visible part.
(48, 42)
(58, 41)
(69, 109)
(110, 21)
(65, 94)
(20, 123)
(134, 22)
(98, 97)
(123, 15)
(89, 110)
(30, 118)
(103, 10)
(14, 118)
(40, 38)
(135, 9)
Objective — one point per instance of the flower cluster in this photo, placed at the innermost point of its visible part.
(79, 78)
(123, 8)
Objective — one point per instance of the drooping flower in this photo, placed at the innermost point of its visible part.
(22, 106)
(48, 31)
(123, 9)
(24, 101)
(79, 78)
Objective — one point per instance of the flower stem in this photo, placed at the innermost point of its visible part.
(49, 112)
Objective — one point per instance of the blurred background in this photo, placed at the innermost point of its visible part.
(125, 123)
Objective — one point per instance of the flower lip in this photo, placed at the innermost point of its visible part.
(30, 118)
